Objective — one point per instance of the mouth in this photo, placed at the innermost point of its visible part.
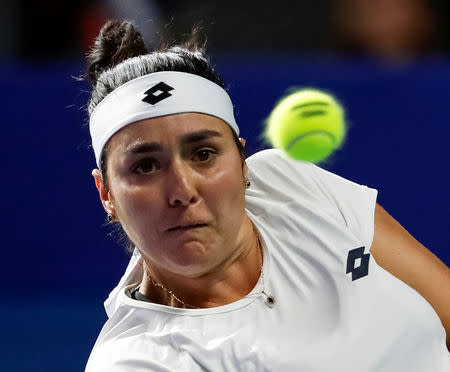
(187, 227)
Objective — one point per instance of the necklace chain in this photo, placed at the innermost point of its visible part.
(156, 284)
(173, 295)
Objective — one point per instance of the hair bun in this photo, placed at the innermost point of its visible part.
(116, 42)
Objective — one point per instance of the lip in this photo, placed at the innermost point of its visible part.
(185, 227)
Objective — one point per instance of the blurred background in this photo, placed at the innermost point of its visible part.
(387, 61)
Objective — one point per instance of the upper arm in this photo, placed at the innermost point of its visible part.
(396, 251)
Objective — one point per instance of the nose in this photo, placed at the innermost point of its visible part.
(180, 185)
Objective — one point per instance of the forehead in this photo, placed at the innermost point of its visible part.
(168, 129)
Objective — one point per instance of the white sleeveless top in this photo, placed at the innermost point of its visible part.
(335, 309)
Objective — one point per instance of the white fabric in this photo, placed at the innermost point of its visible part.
(125, 105)
(323, 321)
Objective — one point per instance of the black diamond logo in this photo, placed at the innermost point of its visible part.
(354, 256)
(157, 93)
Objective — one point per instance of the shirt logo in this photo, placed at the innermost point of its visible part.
(157, 93)
(358, 263)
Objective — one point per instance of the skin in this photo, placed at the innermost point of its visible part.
(203, 182)
(158, 181)
(399, 253)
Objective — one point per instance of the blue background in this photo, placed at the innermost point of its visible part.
(59, 260)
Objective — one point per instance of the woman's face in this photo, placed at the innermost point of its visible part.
(176, 184)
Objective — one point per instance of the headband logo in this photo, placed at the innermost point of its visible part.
(157, 93)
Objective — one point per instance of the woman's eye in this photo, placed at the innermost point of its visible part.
(204, 155)
(146, 166)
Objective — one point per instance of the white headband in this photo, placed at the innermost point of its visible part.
(157, 94)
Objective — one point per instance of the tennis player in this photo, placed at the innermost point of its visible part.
(258, 264)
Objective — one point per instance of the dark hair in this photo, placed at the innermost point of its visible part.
(119, 55)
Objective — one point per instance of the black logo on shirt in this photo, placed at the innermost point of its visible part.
(157, 93)
(363, 268)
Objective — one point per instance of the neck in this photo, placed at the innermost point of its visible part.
(231, 280)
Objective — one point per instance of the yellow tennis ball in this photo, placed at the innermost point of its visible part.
(308, 125)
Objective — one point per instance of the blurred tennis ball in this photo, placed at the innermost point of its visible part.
(308, 125)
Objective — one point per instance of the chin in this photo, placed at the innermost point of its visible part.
(193, 258)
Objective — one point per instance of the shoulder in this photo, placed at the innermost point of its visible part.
(281, 180)
(273, 170)
(131, 341)
(276, 162)
(105, 357)
(139, 350)
(273, 159)
(128, 350)
(119, 341)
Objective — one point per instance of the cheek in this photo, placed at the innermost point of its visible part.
(134, 210)
(226, 191)
(227, 203)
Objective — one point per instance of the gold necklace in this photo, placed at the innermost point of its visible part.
(156, 284)
(270, 300)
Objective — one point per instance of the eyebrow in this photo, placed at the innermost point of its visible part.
(139, 148)
(201, 135)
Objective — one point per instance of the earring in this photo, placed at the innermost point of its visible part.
(247, 183)
(109, 217)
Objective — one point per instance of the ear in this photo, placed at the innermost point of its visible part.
(103, 192)
(244, 163)
(245, 169)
